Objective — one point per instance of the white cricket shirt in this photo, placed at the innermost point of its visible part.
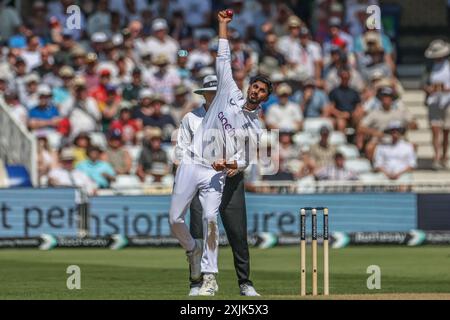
(189, 124)
(227, 131)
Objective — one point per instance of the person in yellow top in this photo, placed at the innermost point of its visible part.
(81, 143)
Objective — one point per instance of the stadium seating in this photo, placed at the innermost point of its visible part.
(98, 139)
(359, 165)
(306, 185)
(135, 153)
(313, 125)
(305, 139)
(349, 151)
(337, 138)
(54, 140)
(127, 184)
(369, 177)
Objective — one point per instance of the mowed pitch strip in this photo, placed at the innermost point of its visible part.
(406, 273)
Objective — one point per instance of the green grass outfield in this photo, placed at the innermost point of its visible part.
(162, 273)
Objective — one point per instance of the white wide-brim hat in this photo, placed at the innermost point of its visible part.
(437, 49)
(209, 84)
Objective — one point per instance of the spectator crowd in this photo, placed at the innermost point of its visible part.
(105, 99)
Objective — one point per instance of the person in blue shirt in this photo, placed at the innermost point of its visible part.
(313, 101)
(44, 118)
(276, 79)
(101, 172)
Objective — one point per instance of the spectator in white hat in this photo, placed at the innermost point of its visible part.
(439, 52)
(284, 115)
(98, 44)
(44, 118)
(371, 39)
(67, 176)
(31, 54)
(437, 88)
(81, 110)
(165, 78)
(144, 108)
(182, 104)
(201, 53)
(376, 122)
(62, 93)
(289, 45)
(18, 111)
(144, 104)
(161, 43)
(395, 159)
(31, 98)
(152, 154)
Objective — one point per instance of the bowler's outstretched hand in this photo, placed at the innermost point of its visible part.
(225, 17)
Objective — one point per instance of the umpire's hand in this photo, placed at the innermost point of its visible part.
(232, 172)
(219, 165)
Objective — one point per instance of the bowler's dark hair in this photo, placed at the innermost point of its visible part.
(264, 80)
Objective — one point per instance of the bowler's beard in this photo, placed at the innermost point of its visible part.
(253, 101)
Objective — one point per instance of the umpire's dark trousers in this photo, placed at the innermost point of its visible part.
(234, 218)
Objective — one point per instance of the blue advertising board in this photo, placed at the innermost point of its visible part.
(32, 212)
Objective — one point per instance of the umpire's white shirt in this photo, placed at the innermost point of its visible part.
(189, 124)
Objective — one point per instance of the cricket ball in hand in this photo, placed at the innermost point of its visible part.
(229, 13)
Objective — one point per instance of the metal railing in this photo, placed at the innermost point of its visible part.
(294, 187)
(17, 145)
(312, 187)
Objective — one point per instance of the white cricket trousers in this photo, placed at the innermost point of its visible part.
(190, 179)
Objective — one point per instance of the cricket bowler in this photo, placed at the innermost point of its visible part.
(218, 145)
